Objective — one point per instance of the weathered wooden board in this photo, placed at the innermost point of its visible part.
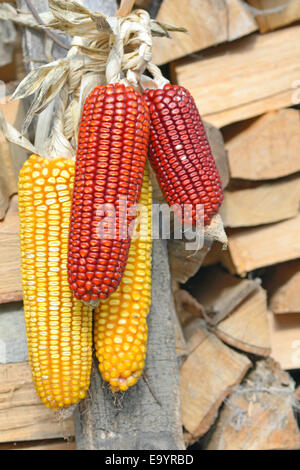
(254, 248)
(266, 203)
(206, 378)
(208, 23)
(219, 292)
(22, 415)
(279, 13)
(285, 339)
(283, 284)
(181, 349)
(10, 263)
(265, 148)
(259, 74)
(140, 421)
(247, 327)
(258, 415)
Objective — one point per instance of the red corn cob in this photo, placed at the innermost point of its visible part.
(180, 153)
(110, 161)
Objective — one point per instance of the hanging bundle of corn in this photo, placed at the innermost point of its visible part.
(65, 263)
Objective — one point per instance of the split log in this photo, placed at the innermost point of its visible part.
(208, 23)
(285, 339)
(283, 285)
(247, 327)
(264, 148)
(258, 415)
(22, 415)
(250, 83)
(266, 203)
(257, 247)
(206, 378)
(220, 293)
(10, 259)
(143, 422)
(284, 13)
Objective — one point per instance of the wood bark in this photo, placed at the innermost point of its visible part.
(263, 204)
(258, 415)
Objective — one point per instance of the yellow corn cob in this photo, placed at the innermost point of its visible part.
(59, 327)
(120, 327)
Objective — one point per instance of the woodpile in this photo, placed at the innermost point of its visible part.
(237, 319)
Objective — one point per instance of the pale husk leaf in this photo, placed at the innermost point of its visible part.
(35, 78)
(14, 136)
(50, 87)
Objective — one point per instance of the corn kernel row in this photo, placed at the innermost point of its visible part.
(59, 327)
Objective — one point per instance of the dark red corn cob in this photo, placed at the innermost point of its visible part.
(112, 150)
(180, 153)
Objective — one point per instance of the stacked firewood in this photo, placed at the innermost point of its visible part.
(239, 308)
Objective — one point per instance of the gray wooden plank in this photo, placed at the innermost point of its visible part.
(13, 345)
